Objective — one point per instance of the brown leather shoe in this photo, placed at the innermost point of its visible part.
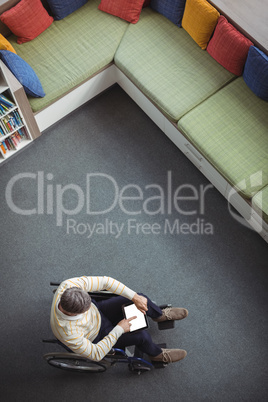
(172, 313)
(169, 356)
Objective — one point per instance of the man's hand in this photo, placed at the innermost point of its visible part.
(140, 302)
(125, 323)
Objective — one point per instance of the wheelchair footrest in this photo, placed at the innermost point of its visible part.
(166, 325)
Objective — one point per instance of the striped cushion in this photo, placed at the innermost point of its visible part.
(230, 130)
(166, 64)
(260, 203)
(86, 41)
(171, 9)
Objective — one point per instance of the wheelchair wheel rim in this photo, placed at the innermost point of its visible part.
(76, 364)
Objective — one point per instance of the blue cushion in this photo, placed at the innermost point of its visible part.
(23, 72)
(171, 9)
(256, 72)
(61, 8)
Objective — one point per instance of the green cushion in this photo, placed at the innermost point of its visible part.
(230, 130)
(71, 50)
(167, 65)
(260, 203)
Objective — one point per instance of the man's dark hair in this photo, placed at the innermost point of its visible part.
(75, 300)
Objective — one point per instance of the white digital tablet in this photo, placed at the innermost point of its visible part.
(141, 322)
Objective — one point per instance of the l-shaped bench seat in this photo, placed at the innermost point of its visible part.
(230, 130)
(199, 104)
(166, 64)
(71, 51)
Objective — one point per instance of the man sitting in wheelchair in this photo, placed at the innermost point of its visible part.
(92, 328)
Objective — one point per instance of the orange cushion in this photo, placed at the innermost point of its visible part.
(128, 10)
(27, 19)
(199, 20)
(5, 45)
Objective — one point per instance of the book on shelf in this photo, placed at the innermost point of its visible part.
(17, 117)
(7, 102)
(3, 148)
(5, 106)
(10, 122)
(14, 140)
(3, 109)
(4, 145)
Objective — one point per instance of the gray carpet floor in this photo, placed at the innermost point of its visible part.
(221, 277)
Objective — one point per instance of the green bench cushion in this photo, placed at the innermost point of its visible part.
(167, 65)
(260, 203)
(231, 130)
(71, 50)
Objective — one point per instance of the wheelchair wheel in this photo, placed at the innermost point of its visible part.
(74, 362)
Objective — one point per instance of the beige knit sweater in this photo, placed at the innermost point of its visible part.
(78, 332)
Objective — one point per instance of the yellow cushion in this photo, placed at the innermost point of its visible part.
(199, 20)
(5, 45)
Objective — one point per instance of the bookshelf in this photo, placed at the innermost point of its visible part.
(18, 127)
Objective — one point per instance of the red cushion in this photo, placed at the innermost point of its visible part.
(27, 20)
(128, 10)
(229, 47)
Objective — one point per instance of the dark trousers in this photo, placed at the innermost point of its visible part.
(111, 313)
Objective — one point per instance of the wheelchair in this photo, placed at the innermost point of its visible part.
(136, 361)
